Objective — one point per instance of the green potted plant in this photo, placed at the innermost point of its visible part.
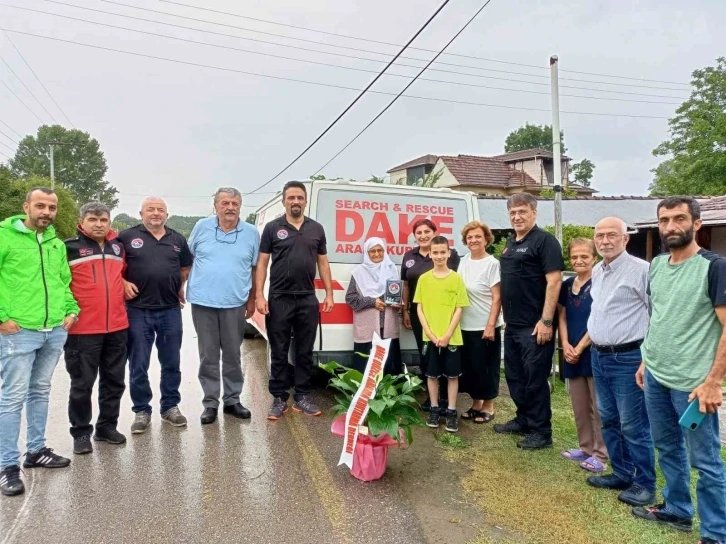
(391, 416)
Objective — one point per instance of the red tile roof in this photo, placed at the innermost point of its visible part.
(425, 159)
(486, 172)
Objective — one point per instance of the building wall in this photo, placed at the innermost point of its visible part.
(398, 177)
(447, 179)
(718, 240)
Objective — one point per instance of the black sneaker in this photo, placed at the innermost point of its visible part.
(434, 417)
(655, 513)
(426, 406)
(112, 436)
(278, 408)
(510, 427)
(307, 407)
(535, 441)
(452, 421)
(636, 495)
(10, 482)
(82, 445)
(45, 458)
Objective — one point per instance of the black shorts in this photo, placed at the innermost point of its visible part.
(442, 361)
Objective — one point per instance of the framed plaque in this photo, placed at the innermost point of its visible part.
(394, 292)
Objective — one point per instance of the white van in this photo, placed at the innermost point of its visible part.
(352, 212)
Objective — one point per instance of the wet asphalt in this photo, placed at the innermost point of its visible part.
(233, 481)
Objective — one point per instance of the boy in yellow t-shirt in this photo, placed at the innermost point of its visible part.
(441, 297)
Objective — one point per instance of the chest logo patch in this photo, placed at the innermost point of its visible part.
(137, 243)
(410, 263)
(522, 250)
(282, 234)
(85, 252)
(116, 249)
(177, 248)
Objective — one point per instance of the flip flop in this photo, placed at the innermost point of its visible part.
(469, 414)
(593, 465)
(482, 417)
(574, 455)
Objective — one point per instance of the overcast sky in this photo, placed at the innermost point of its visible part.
(181, 131)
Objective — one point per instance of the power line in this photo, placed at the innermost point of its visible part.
(28, 89)
(397, 45)
(11, 129)
(325, 44)
(186, 40)
(6, 145)
(21, 101)
(4, 155)
(8, 137)
(357, 98)
(395, 98)
(36, 77)
(330, 85)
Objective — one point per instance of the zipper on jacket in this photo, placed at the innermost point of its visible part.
(45, 284)
(105, 282)
(93, 271)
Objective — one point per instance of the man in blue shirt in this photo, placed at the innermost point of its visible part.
(222, 296)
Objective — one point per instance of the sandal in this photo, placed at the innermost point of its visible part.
(482, 417)
(469, 414)
(574, 455)
(593, 465)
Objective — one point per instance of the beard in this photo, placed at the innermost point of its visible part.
(296, 211)
(678, 240)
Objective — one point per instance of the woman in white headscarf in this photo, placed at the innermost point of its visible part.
(370, 314)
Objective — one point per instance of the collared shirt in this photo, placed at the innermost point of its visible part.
(414, 265)
(620, 307)
(294, 255)
(221, 276)
(525, 264)
(154, 266)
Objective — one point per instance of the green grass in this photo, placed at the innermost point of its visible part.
(450, 441)
(541, 497)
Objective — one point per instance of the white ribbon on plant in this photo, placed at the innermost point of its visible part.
(358, 410)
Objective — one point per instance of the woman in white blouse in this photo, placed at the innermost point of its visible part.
(481, 323)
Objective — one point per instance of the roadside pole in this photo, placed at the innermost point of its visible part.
(52, 167)
(557, 173)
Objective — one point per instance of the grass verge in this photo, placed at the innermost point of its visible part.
(541, 497)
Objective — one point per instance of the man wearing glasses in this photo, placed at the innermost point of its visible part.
(618, 322)
(221, 292)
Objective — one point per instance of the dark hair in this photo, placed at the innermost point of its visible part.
(45, 190)
(521, 199)
(440, 240)
(294, 185)
(694, 208)
(95, 208)
(427, 222)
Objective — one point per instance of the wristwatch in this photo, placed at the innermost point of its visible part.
(74, 316)
(547, 322)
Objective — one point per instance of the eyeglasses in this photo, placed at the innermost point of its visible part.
(608, 235)
(224, 240)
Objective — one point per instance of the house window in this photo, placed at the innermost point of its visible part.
(417, 172)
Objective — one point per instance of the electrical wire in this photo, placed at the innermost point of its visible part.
(21, 101)
(6, 145)
(4, 155)
(8, 137)
(396, 45)
(11, 129)
(36, 77)
(58, 2)
(28, 89)
(330, 85)
(226, 47)
(395, 98)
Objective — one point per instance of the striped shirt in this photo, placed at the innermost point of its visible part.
(620, 307)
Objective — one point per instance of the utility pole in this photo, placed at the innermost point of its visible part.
(556, 147)
(52, 166)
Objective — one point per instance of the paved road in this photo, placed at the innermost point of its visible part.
(251, 481)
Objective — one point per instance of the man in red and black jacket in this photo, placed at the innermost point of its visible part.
(97, 344)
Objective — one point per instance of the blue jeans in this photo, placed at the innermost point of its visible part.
(145, 326)
(675, 446)
(625, 425)
(27, 361)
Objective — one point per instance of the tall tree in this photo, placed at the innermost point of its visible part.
(531, 137)
(251, 218)
(79, 163)
(582, 172)
(696, 149)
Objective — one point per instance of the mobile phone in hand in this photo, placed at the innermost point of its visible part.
(692, 417)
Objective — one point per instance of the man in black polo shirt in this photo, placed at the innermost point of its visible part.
(297, 246)
(158, 261)
(532, 267)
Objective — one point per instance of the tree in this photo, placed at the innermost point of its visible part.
(531, 137)
(14, 190)
(582, 172)
(568, 233)
(697, 144)
(431, 179)
(251, 218)
(80, 165)
(376, 179)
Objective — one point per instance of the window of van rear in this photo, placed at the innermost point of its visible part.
(351, 217)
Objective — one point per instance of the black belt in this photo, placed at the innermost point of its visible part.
(620, 348)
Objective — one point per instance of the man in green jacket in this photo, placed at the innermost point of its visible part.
(36, 311)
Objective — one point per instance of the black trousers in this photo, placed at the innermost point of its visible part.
(482, 360)
(417, 329)
(298, 316)
(393, 364)
(88, 356)
(527, 366)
